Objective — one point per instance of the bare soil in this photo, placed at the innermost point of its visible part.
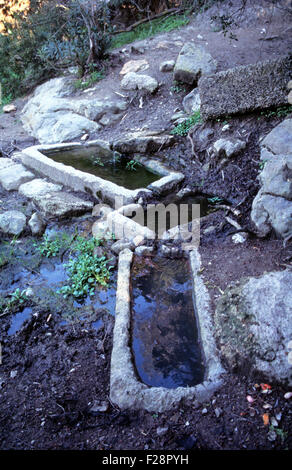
(54, 377)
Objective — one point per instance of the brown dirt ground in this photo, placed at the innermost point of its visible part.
(60, 369)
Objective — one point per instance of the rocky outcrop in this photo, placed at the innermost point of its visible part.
(253, 326)
(51, 116)
(193, 61)
(245, 88)
(272, 207)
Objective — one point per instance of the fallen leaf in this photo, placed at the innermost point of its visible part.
(266, 387)
(266, 419)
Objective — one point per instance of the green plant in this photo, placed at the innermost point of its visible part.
(85, 269)
(94, 77)
(97, 161)
(178, 87)
(280, 432)
(280, 111)
(262, 164)
(183, 128)
(17, 299)
(52, 247)
(215, 200)
(132, 165)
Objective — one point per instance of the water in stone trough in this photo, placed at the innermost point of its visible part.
(165, 339)
(119, 170)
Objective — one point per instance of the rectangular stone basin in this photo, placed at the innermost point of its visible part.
(131, 385)
(94, 168)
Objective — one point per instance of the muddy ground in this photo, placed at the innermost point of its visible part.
(54, 376)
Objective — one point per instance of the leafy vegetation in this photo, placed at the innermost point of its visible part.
(132, 165)
(50, 37)
(85, 269)
(52, 247)
(183, 128)
(178, 87)
(280, 111)
(143, 31)
(17, 299)
(93, 78)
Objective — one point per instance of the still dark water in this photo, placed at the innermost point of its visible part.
(120, 171)
(165, 341)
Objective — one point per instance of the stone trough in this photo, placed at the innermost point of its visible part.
(126, 390)
(40, 159)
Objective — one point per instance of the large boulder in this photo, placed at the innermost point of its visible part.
(272, 207)
(55, 114)
(193, 61)
(245, 88)
(254, 328)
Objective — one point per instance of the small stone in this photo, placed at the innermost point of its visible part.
(37, 224)
(239, 237)
(98, 407)
(29, 292)
(134, 66)
(272, 436)
(13, 374)
(84, 137)
(161, 431)
(204, 411)
(218, 412)
(167, 66)
(9, 108)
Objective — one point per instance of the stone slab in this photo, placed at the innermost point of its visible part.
(245, 88)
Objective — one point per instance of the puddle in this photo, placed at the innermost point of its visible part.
(165, 342)
(117, 170)
(18, 320)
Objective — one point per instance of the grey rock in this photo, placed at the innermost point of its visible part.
(192, 62)
(12, 222)
(121, 245)
(253, 326)
(272, 207)
(228, 147)
(192, 102)
(38, 187)
(144, 250)
(245, 88)
(37, 224)
(167, 66)
(276, 177)
(5, 163)
(61, 204)
(135, 81)
(272, 212)
(13, 176)
(52, 117)
(279, 140)
(142, 142)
